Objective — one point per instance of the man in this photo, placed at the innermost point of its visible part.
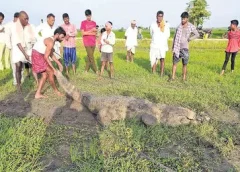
(19, 55)
(160, 32)
(2, 41)
(69, 49)
(30, 40)
(46, 30)
(185, 33)
(42, 50)
(233, 45)
(89, 32)
(8, 49)
(131, 40)
(107, 41)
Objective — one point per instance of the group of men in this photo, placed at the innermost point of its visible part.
(38, 47)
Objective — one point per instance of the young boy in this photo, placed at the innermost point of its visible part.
(107, 41)
(69, 53)
(233, 45)
(185, 33)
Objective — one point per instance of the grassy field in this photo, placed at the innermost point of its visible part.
(70, 140)
(216, 34)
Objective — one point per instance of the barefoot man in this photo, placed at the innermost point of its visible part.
(131, 40)
(185, 33)
(160, 32)
(19, 54)
(41, 63)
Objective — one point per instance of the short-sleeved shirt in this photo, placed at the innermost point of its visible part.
(233, 41)
(131, 35)
(88, 40)
(72, 32)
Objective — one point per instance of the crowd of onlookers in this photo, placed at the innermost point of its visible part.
(23, 45)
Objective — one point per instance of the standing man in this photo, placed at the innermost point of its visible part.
(185, 33)
(131, 40)
(2, 40)
(8, 34)
(89, 33)
(19, 55)
(42, 50)
(107, 41)
(46, 30)
(160, 32)
(233, 45)
(69, 49)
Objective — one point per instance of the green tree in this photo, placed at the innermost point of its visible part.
(198, 12)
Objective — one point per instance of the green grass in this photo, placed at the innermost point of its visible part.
(206, 147)
(20, 144)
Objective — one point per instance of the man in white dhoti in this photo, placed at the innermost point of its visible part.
(131, 40)
(160, 33)
(2, 40)
(19, 55)
(8, 34)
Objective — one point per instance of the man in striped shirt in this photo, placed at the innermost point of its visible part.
(69, 52)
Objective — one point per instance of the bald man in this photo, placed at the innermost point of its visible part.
(19, 55)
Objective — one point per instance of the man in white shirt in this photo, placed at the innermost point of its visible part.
(131, 40)
(46, 30)
(160, 33)
(107, 41)
(8, 38)
(19, 54)
(2, 40)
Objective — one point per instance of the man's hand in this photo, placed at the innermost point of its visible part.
(2, 30)
(54, 71)
(94, 30)
(67, 37)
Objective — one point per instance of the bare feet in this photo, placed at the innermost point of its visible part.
(222, 73)
(40, 96)
(19, 88)
(59, 93)
(100, 78)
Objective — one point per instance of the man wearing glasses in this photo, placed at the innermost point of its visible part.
(160, 32)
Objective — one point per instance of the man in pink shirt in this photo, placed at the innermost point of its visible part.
(89, 33)
(233, 45)
(69, 49)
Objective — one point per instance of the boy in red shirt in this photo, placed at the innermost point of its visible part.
(89, 34)
(233, 45)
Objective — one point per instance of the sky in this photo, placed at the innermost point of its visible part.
(120, 12)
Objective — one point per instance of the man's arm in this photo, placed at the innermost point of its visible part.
(23, 51)
(49, 46)
(126, 34)
(2, 30)
(167, 31)
(151, 31)
(112, 41)
(103, 39)
(195, 34)
(57, 62)
(89, 33)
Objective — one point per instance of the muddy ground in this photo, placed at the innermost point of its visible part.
(66, 113)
